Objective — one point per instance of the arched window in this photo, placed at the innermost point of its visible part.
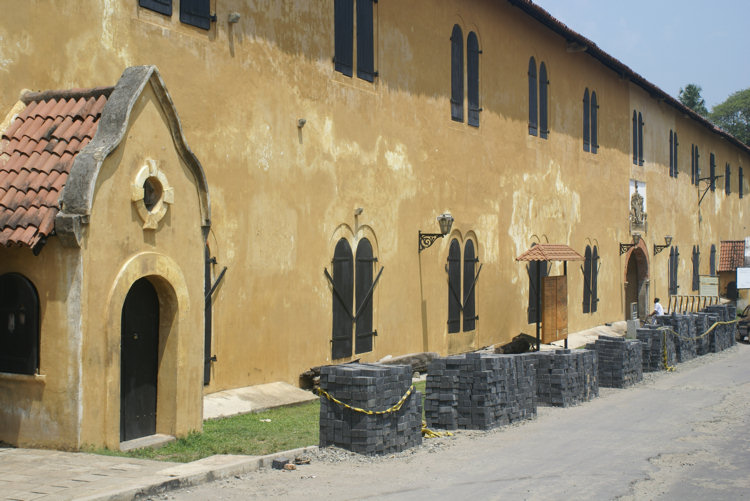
(543, 84)
(470, 276)
(472, 77)
(586, 124)
(363, 277)
(594, 124)
(457, 74)
(587, 280)
(712, 260)
(343, 285)
(696, 267)
(454, 287)
(533, 110)
(19, 325)
(594, 279)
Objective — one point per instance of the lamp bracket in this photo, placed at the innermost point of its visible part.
(427, 239)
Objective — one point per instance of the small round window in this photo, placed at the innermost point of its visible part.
(152, 192)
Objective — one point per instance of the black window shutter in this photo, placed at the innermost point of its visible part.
(587, 280)
(674, 168)
(635, 137)
(454, 287)
(472, 77)
(363, 283)
(343, 284)
(208, 310)
(712, 172)
(672, 285)
(196, 13)
(594, 123)
(594, 279)
(696, 267)
(543, 85)
(19, 328)
(343, 32)
(697, 167)
(457, 74)
(533, 94)
(712, 260)
(470, 276)
(365, 49)
(727, 179)
(537, 270)
(586, 124)
(160, 6)
(640, 138)
(739, 180)
(671, 154)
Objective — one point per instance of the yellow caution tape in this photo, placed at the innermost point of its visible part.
(395, 408)
(428, 433)
(666, 329)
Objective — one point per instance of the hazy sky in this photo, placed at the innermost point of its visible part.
(670, 43)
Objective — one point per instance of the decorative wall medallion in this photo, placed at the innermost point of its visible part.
(151, 194)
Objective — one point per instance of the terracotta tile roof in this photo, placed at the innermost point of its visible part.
(550, 252)
(38, 150)
(731, 255)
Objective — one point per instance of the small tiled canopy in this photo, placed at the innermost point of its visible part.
(38, 150)
(731, 255)
(550, 252)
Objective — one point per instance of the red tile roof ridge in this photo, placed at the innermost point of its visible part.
(66, 94)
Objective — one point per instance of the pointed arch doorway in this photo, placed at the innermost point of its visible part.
(139, 361)
(636, 283)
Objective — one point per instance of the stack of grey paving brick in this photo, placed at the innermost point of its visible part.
(565, 377)
(619, 361)
(369, 387)
(700, 326)
(684, 344)
(655, 340)
(723, 335)
(480, 391)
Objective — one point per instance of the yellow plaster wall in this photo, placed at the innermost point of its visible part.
(282, 196)
(44, 410)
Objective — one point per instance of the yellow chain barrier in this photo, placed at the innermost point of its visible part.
(395, 408)
(666, 329)
(428, 433)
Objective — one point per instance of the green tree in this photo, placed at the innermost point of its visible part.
(690, 96)
(733, 115)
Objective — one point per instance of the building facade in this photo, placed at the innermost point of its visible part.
(331, 133)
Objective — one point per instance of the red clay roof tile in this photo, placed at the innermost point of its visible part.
(731, 255)
(37, 152)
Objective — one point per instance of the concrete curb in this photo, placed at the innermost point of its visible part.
(198, 472)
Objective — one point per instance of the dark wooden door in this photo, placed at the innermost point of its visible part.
(139, 356)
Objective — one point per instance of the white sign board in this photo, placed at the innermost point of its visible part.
(743, 278)
(709, 286)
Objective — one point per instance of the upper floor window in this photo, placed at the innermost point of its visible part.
(695, 169)
(538, 99)
(193, 12)
(160, 6)
(19, 325)
(462, 300)
(343, 18)
(740, 181)
(472, 76)
(673, 143)
(727, 179)
(590, 110)
(637, 138)
(712, 172)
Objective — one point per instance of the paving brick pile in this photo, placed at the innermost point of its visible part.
(723, 336)
(480, 391)
(700, 325)
(684, 344)
(654, 341)
(370, 387)
(619, 361)
(565, 377)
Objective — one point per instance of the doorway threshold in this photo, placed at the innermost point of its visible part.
(150, 441)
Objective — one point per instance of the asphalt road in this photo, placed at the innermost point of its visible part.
(680, 435)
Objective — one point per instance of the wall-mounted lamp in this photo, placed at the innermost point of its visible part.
(626, 247)
(667, 243)
(358, 211)
(301, 123)
(427, 239)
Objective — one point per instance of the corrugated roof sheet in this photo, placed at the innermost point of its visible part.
(731, 255)
(38, 150)
(550, 252)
